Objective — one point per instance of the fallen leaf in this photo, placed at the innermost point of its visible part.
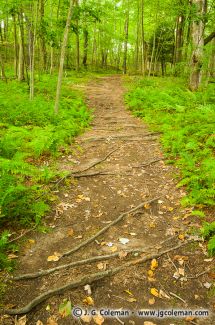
(114, 249)
(65, 308)
(154, 292)
(189, 319)
(98, 319)
(86, 318)
(51, 321)
(100, 266)
(147, 206)
(31, 241)
(151, 301)
(148, 323)
(132, 300)
(207, 285)
(128, 292)
(39, 322)
(87, 288)
(70, 232)
(12, 256)
(150, 273)
(89, 301)
(21, 321)
(48, 307)
(170, 209)
(181, 271)
(122, 255)
(181, 237)
(211, 275)
(151, 279)
(154, 264)
(132, 234)
(124, 241)
(54, 258)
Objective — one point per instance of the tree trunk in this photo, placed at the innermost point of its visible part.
(62, 57)
(142, 37)
(42, 38)
(125, 42)
(85, 46)
(197, 45)
(16, 55)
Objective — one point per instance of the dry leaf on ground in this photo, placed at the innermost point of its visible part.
(86, 318)
(98, 319)
(154, 292)
(21, 321)
(89, 301)
(151, 301)
(54, 258)
(70, 232)
(52, 321)
(154, 264)
(148, 323)
(39, 322)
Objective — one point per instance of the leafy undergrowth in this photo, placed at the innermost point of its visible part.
(187, 123)
(31, 136)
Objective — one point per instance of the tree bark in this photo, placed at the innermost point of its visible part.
(197, 34)
(62, 57)
(126, 42)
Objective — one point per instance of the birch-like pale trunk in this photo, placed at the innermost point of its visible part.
(197, 36)
(62, 57)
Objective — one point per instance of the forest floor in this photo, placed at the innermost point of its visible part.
(119, 167)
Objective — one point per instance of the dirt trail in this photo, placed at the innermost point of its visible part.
(92, 202)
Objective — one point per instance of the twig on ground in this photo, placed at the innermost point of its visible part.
(172, 262)
(200, 274)
(103, 230)
(174, 295)
(119, 320)
(88, 279)
(21, 235)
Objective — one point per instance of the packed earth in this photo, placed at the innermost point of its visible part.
(118, 213)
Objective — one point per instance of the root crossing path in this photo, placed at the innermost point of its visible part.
(117, 227)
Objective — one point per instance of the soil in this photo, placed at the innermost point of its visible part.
(133, 173)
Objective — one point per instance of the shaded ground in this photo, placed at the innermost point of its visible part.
(89, 203)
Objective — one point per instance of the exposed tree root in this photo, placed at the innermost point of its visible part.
(87, 279)
(121, 137)
(38, 274)
(100, 173)
(99, 161)
(93, 259)
(149, 163)
(103, 230)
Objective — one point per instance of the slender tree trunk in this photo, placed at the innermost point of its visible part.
(3, 75)
(137, 37)
(142, 37)
(16, 55)
(179, 39)
(62, 57)
(76, 3)
(197, 45)
(85, 46)
(42, 38)
(125, 42)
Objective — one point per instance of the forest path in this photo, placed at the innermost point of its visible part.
(122, 181)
